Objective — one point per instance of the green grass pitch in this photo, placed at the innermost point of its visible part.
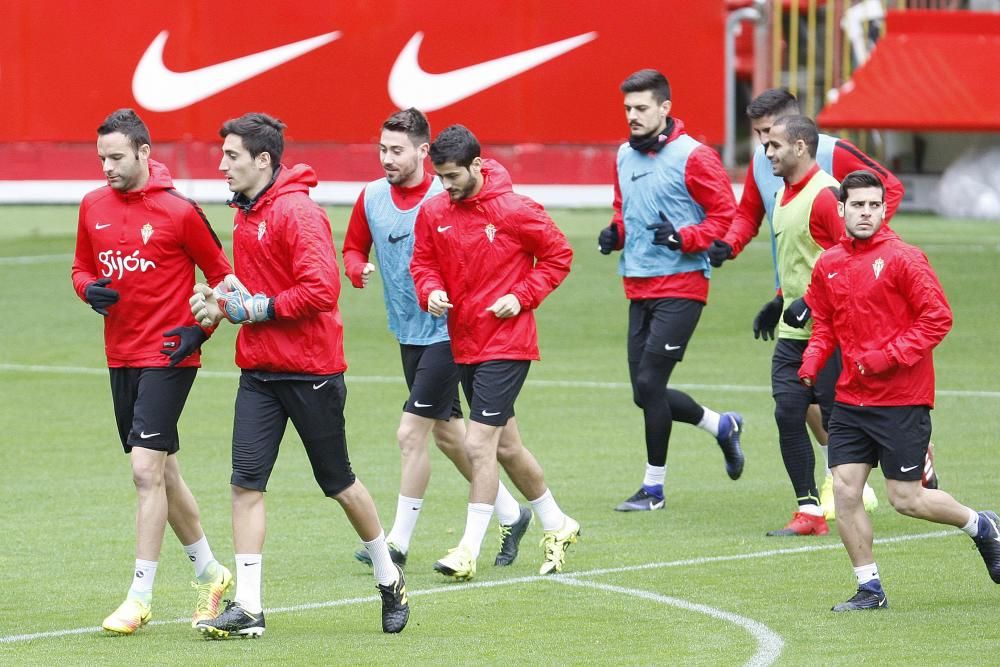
(697, 584)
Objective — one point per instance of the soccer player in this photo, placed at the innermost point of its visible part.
(805, 221)
(290, 350)
(879, 300)
(672, 197)
(137, 243)
(490, 257)
(384, 216)
(836, 157)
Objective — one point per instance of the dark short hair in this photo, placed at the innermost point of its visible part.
(128, 123)
(411, 122)
(260, 134)
(862, 178)
(773, 102)
(800, 127)
(455, 144)
(647, 79)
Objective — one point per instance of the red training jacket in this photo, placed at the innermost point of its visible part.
(708, 183)
(147, 242)
(284, 248)
(480, 249)
(877, 294)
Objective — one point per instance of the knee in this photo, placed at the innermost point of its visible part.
(146, 476)
(904, 501)
(409, 440)
(647, 389)
(845, 493)
(788, 414)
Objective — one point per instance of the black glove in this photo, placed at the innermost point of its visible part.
(767, 319)
(719, 252)
(607, 240)
(191, 339)
(100, 297)
(797, 314)
(665, 233)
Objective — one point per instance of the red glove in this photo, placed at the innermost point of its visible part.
(873, 362)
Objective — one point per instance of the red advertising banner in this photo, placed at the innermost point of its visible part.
(516, 73)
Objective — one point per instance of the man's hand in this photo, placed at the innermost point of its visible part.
(767, 319)
(191, 339)
(718, 252)
(607, 240)
(873, 362)
(506, 306)
(665, 233)
(204, 307)
(437, 302)
(807, 380)
(238, 305)
(100, 297)
(366, 274)
(797, 314)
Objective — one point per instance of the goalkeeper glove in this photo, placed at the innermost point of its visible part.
(767, 319)
(718, 252)
(608, 239)
(100, 297)
(797, 314)
(191, 338)
(665, 233)
(238, 305)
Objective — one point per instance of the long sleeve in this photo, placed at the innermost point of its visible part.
(357, 242)
(707, 181)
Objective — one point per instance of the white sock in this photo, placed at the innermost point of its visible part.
(655, 475)
(710, 421)
(200, 555)
(971, 528)
(866, 573)
(142, 580)
(506, 507)
(382, 565)
(407, 513)
(811, 509)
(548, 512)
(248, 574)
(477, 521)
(826, 459)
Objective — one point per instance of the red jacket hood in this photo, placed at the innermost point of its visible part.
(496, 181)
(159, 179)
(297, 178)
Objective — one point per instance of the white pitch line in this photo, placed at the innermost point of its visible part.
(391, 379)
(769, 643)
(454, 588)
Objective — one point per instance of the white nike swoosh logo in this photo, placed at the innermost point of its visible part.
(443, 229)
(146, 436)
(831, 275)
(670, 348)
(490, 414)
(802, 317)
(317, 386)
(100, 226)
(418, 404)
(411, 86)
(159, 89)
(902, 469)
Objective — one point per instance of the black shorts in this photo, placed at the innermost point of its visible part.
(148, 403)
(491, 389)
(432, 377)
(894, 437)
(316, 408)
(785, 364)
(661, 326)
